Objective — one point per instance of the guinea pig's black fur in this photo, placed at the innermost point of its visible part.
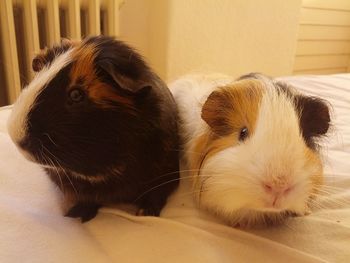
(104, 126)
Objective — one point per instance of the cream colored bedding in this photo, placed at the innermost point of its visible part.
(32, 228)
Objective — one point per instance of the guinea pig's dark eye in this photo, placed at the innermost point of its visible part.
(243, 134)
(76, 95)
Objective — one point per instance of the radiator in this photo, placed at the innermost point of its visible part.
(26, 26)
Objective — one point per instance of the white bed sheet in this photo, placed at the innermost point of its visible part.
(32, 228)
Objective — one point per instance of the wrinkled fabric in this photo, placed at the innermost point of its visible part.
(32, 227)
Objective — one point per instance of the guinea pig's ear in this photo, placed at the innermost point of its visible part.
(126, 84)
(38, 62)
(314, 117)
(46, 56)
(215, 112)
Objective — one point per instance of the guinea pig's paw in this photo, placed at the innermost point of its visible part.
(152, 204)
(140, 212)
(147, 209)
(86, 211)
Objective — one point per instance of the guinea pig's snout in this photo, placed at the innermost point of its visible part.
(276, 192)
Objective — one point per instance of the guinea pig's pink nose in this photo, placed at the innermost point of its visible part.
(277, 190)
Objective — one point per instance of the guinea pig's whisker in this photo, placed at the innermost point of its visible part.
(323, 192)
(57, 172)
(70, 180)
(67, 176)
(48, 136)
(49, 152)
(57, 163)
(47, 159)
(164, 183)
(316, 201)
(155, 187)
(187, 176)
(334, 197)
(323, 206)
(211, 175)
(329, 190)
(332, 201)
(340, 204)
(323, 195)
(329, 187)
(338, 200)
(180, 171)
(43, 150)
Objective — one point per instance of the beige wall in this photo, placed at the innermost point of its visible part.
(135, 24)
(144, 25)
(228, 36)
(323, 45)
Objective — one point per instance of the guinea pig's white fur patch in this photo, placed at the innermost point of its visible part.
(17, 123)
(230, 176)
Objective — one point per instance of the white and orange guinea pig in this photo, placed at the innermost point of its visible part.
(251, 146)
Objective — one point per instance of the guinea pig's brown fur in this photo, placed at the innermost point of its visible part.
(103, 125)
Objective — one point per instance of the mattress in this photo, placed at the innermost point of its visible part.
(33, 229)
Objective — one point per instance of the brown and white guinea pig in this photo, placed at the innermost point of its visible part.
(251, 145)
(102, 124)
